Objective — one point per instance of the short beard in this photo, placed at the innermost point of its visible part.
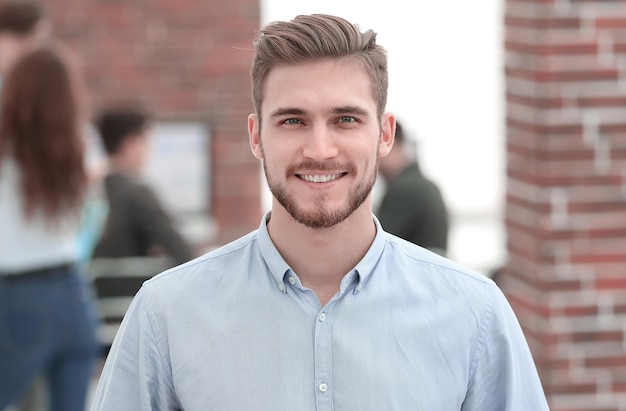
(321, 218)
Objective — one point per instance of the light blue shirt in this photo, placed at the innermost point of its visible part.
(235, 330)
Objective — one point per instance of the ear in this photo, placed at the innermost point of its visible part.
(255, 138)
(387, 134)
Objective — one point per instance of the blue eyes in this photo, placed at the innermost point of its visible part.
(346, 119)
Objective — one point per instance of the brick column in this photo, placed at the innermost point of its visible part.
(566, 194)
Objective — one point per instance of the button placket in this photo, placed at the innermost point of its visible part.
(323, 360)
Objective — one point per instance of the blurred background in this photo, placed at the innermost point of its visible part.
(518, 109)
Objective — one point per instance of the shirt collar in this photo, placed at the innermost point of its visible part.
(279, 267)
(365, 267)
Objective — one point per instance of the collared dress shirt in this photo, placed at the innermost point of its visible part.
(235, 330)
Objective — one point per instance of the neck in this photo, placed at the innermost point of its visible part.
(321, 257)
(118, 165)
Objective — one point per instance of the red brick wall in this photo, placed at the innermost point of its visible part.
(566, 194)
(187, 59)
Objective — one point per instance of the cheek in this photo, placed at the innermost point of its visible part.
(272, 162)
(277, 152)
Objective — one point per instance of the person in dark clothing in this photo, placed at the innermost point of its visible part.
(137, 222)
(412, 206)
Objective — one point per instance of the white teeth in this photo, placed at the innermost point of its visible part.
(319, 179)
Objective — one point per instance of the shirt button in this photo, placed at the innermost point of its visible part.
(323, 387)
(281, 287)
(322, 317)
(292, 280)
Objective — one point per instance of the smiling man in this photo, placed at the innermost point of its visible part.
(320, 309)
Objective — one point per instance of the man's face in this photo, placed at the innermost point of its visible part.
(320, 139)
(136, 150)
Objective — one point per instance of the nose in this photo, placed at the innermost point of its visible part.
(320, 145)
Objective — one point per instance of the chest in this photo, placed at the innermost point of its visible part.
(295, 355)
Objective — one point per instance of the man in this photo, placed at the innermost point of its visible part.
(137, 224)
(412, 206)
(320, 309)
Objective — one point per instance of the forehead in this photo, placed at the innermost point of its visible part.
(318, 86)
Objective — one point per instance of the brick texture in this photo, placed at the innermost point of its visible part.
(565, 213)
(188, 60)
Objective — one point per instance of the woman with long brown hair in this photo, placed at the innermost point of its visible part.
(47, 321)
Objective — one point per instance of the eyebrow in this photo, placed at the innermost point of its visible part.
(287, 111)
(294, 111)
(349, 110)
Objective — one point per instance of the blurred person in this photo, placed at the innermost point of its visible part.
(23, 24)
(47, 318)
(412, 206)
(137, 222)
(320, 308)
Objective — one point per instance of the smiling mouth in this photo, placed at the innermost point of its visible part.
(317, 178)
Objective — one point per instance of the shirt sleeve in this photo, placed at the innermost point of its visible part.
(136, 374)
(503, 373)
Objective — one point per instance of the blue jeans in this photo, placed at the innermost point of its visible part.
(47, 327)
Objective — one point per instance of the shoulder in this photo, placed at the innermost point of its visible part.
(424, 282)
(140, 189)
(134, 192)
(413, 182)
(122, 182)
(431, 270)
